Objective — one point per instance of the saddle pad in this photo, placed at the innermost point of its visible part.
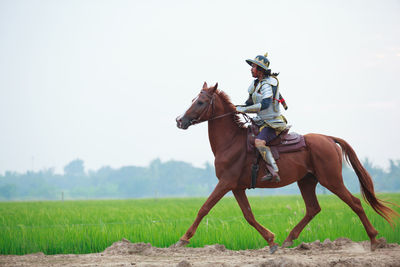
(289, 143)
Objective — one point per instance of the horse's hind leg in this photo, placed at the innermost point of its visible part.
(307, 188)
(244, 204)
(327, 160)
(355, 204)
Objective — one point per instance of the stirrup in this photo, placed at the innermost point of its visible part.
(269, 177)
(277, 178)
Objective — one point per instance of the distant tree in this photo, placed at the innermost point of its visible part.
(393, 177)
(395, 167)
(159, 179)
(75, 168)
(7, 191)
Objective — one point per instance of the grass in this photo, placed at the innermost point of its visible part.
(91, 226)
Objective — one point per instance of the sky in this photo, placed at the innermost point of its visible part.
(103, 81)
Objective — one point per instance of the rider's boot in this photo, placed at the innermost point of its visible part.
(266, 154)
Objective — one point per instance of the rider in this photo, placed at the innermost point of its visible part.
(264, 99)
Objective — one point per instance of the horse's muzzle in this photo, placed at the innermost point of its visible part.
(182, 122)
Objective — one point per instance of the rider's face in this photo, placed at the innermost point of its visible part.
(254, 71)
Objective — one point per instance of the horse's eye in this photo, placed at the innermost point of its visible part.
(200, 103)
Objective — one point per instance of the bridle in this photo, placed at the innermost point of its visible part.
(206, 110)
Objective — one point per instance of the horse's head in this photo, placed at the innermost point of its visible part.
(200, 110)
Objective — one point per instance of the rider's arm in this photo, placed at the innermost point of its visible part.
(265, 103)
(266, 92)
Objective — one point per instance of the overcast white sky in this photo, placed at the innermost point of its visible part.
(104, 80)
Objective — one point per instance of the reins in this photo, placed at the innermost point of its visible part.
(247, 118)
(221, 116)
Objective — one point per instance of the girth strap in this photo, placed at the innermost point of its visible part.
(254, 169)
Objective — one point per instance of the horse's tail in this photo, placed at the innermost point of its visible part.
(367, 186)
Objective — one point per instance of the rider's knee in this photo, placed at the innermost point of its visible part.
(259, 142)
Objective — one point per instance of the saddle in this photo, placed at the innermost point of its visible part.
(285, 142)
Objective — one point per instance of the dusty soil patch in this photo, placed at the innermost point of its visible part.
(341, 252)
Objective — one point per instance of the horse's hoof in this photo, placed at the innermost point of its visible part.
(380, 243)
(287, 244)
(272, 249)
(179, 244)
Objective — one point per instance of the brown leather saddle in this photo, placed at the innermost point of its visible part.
(285, 142)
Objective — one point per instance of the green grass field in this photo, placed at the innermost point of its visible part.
(91, 226)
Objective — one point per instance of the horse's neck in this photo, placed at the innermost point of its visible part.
(223, 131)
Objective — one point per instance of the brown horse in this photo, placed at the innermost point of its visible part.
(320, 162)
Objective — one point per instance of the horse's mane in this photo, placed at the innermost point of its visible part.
(225, 98)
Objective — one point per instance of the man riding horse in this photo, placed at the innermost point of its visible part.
(319, 161)
(264, 99)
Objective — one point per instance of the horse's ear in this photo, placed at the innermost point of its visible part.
(215, 87)
(205, 86)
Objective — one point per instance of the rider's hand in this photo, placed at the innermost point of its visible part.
(240, 109)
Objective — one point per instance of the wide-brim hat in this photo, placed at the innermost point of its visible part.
(261, 61)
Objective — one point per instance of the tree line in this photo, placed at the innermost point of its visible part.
(158, 179)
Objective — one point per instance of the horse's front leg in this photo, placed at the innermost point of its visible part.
(219, 191)
(244, 204)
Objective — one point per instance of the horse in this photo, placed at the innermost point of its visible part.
(320, 162)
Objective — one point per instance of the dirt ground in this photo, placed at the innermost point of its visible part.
(341, 252)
